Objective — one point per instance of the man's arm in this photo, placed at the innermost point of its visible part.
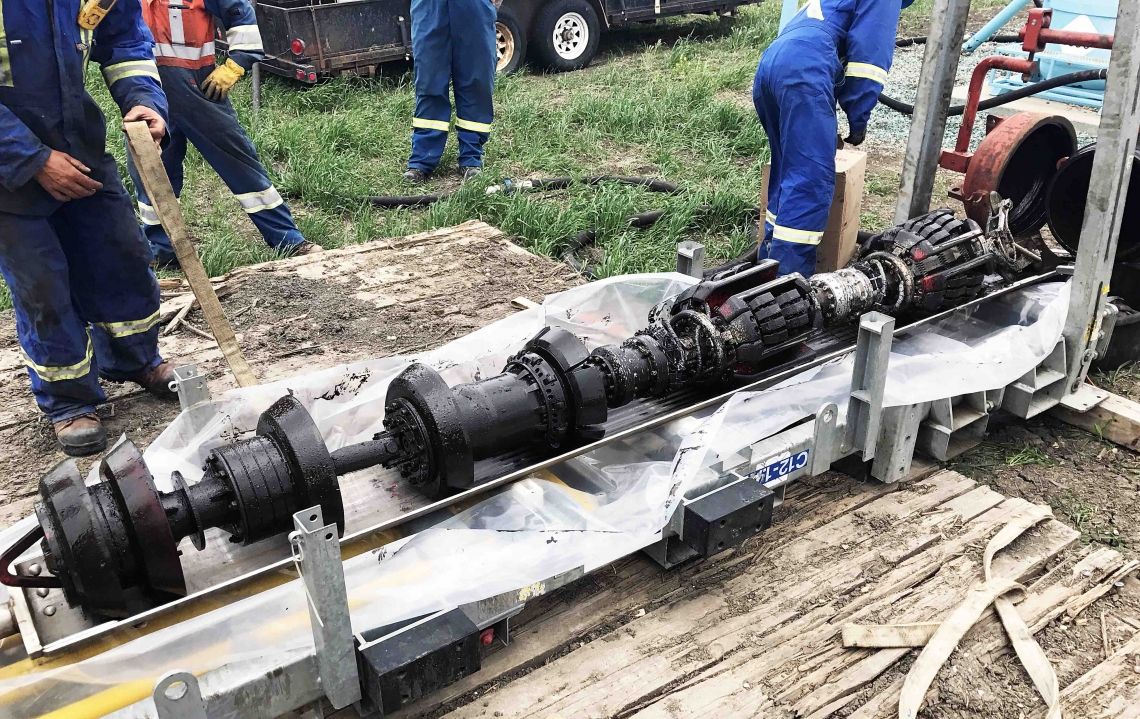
(870, 50)
(124, 48)
(239, 21)
(22, 154)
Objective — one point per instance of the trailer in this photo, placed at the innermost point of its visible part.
(310, 40)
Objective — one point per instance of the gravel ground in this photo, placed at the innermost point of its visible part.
(889, 130)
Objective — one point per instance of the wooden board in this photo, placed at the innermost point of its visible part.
(755, 632)
(1116, 419)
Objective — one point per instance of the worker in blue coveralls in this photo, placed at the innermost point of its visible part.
(71, 252)
(201, 114)
(453, 43)
(832, 50)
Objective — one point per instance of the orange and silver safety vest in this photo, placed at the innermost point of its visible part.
(184, 30)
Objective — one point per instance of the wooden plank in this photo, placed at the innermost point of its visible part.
(148, 162)
(1116, 419)
(1110, 689)
(764, 614)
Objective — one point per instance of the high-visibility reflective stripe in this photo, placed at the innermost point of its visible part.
(253, 202)
(177, 30)
(5, 64)
(868, 71)
(183, 52)
(472, 125)
(130, 327)
(131, 68)
(425, 124)
(803, 237)
(148, 215)
(770, 218)
(60, 373)
(244, 37)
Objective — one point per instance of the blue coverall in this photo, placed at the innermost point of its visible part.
(86, 299)
(831, 50)
(453, 42)
(214, 128)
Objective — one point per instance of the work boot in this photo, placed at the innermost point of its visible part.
(470, 173)
(157, 381)
(305, 248)
(81, 436)
(415, 177)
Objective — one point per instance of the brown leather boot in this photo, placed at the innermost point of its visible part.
(157, 380)
(81, 436)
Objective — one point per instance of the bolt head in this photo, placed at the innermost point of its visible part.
(35, 569)
(49, 611)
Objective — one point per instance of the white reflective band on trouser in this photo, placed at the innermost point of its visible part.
(425, 124)
(868, 71)
(244, 37)
(130, 327)
(131, 68)
(184, 52)
(148, 215)
(60, 374)
(803, 237)
(770, 218)
(472, 125)
(253, 202)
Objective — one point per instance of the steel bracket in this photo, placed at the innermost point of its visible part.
(868, 382)
(191, 386)
(691, 258)
(316, 553)
(177, 696)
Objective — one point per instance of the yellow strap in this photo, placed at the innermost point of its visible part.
(130, 327)
(803, 237)
(61, 373)
(868, 71)
(472, 125)
(425, 124)
(5, 65)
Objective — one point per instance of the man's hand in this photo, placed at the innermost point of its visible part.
(218, 84)
(856, 138)
(153, 120)
(65, 178)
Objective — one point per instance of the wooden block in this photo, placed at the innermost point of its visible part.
(842, 231)
(1116, 419)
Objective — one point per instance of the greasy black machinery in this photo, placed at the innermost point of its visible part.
(113, 546)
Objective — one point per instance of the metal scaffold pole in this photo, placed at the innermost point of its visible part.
(1108, 193)
(928, 124)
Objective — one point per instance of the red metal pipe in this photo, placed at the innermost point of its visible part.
(1048, 36)
(958, 159)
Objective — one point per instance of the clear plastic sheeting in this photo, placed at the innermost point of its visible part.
(584, 513)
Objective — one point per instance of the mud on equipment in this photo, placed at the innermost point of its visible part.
(114, 545)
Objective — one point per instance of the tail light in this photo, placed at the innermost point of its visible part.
(301, 75)
(312, 77)
(297, 46)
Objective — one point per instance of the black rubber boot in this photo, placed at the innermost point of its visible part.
(81, 436)
(415, 177)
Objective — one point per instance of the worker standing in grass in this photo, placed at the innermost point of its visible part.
(202, 115)
(71, 252)
(832, 50)
(453, 43)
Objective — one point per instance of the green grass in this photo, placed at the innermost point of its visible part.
(1028, 455)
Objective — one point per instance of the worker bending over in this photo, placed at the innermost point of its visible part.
(71, 251)
(201, 113)
(453, 43)
(831, 50)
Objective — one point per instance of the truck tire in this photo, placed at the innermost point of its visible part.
(510, 43)
(566, 34)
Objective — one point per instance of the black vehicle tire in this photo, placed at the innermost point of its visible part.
(566, 34)
(510, 42)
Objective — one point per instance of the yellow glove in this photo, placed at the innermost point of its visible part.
(218, 84)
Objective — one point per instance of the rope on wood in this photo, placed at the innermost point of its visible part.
(940, 639)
